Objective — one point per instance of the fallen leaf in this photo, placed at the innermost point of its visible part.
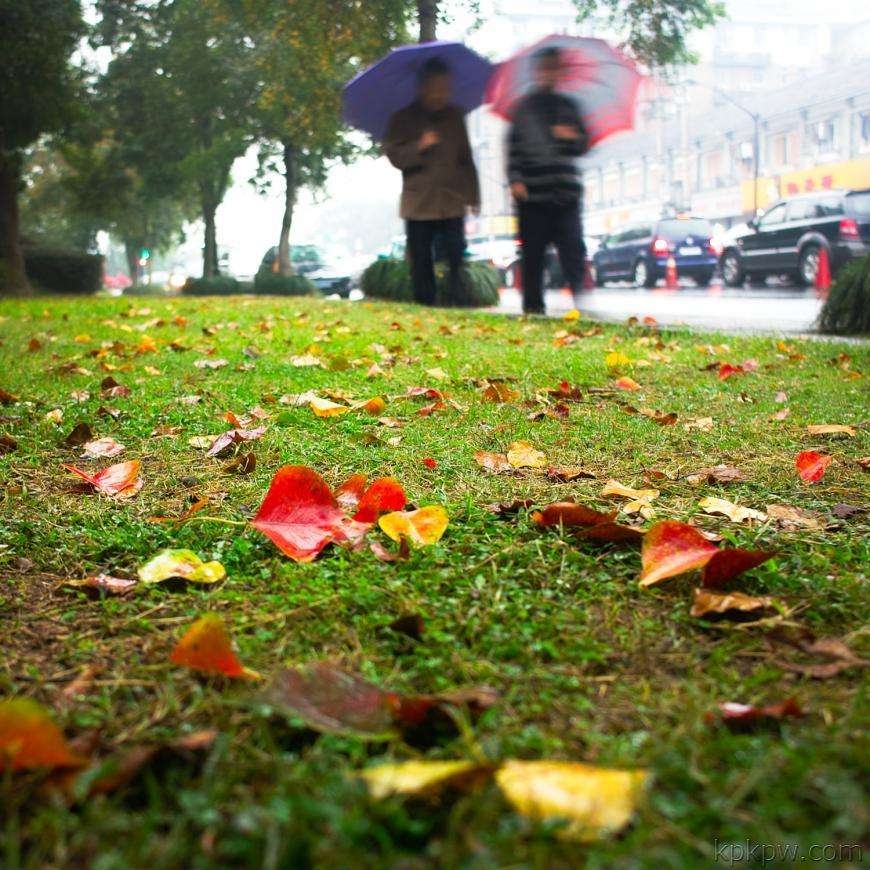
(493, 462)
(731, 605)
(864, 463)
(102, 584)
(422, 778)
(716, 474)
(728, 563)
(7, 443)
(326, 408)
(181, 563)
(791, 516)
(374, 406)
(612, 533)
(244, 463)
(671, 548)
(831, 429)
(839, 656)
(735, 513)
(626, 383)
(120, 481)
(430, 463)
(505, 508)
(738, 716)
(521, 454)
(300, 515)
(811, 465)
(844, 511)
(29, 738)
(615, 488)
(703, 424)
(726, 370)
(234, 436)
(499, 392)
(351, 491)
(102, 447)
(616, 359)
(569, 514)
(80, 434)
(206, 647)
(384, 495)
(411, 625)
(421, 527)
(565, 474)
(594, 801)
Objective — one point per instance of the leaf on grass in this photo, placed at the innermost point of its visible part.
(79, 434)
(726, 370)
(384, 495)
(727, 564)
(811, 465)
(7, 443)
(411, 625)
(864, 463)
(521, 454)
(206, 647)
(839, 657)
(30, 739)
(234, 436)
(738, 716)
(569, 514)
(703, 424)
(102, 447)
(594, 801)
(120, 481)
(626, 383)
(492, 462)
(566, 393)
(499, 392)
(502, 509)
(671, 548)
(181, 563)
(831, 429)
(731, 605)
(421, 527)
(735, 513)
(102, 584)
(375, 406)
(244, 463)
(794, 517)
(567, 473)
(351, 491)
(423, 778)
(615, 488)
(327, 408)
(716, 474)
(612, 533)
(300, 515)
(616, 359)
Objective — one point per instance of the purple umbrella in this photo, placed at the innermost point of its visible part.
(370, 98)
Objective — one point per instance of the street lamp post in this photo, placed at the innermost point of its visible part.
(756, 122)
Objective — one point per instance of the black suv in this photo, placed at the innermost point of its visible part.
(640, 252)
(787, 238)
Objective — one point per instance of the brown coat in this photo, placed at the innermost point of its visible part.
(440, 182)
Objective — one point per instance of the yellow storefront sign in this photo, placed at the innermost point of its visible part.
(853, 174)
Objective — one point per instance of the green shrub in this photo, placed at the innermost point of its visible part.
(391, 279)
(54, 270)
(267, 281)
(218, 285)
(847, 309)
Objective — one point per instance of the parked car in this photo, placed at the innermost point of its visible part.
(788, 238)
(330, 272)
(640, 252)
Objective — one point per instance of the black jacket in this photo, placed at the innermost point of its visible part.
(546, 165)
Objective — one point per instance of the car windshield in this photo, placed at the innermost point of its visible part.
(860, 204)
(305, 254)
(679, 228)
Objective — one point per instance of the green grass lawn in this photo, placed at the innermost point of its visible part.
(589, 666)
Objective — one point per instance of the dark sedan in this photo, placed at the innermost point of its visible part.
(789, 237)
(640, 252)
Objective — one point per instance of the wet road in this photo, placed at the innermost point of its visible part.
(773, 308)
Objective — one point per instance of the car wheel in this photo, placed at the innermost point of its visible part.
(808, 265)
(732, 269)
(642, 275)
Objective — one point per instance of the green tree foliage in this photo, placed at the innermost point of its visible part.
(847, 309)
(37, 85)
(304, 51)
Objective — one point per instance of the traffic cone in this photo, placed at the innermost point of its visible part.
(671, 282)
(823, 274)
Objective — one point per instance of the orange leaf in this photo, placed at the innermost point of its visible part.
(30, 739)
(726, 564)
(206, 647)
(811, 465)
(627, 383)
(567, 513)
(494, 462)
(351, 491)
(671, 548)
(121, 480)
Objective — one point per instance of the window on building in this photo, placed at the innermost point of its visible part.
(864, 131)
(780, 151)
(822, 134)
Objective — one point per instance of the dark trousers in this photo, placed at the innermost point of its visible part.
(448, 236)
(542, 223)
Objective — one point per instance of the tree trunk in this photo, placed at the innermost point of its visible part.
(131, 252)
(209, 248)
(427, 14)
(285, 267)
(13, 278)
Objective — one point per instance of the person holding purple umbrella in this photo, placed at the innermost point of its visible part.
(427, 140)
(545, 140)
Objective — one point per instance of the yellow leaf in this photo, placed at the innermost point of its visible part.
(735, 513)
(438, 373)
(615, 359)
(420, 527)
(326, 408)
(521, 454)
(831, 429)
(573, 314)
(594, 801)
(82, 338)
(414, 777)
(181, 563)
(373, 406)
(614, 487)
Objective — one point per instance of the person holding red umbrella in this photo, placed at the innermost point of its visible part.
(546, 138)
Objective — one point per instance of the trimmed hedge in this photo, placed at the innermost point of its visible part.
(847, 309)
(54, 270)
(391, 279)
(218, 285)
(267, 281)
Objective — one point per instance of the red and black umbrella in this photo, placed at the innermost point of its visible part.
(599, 77)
